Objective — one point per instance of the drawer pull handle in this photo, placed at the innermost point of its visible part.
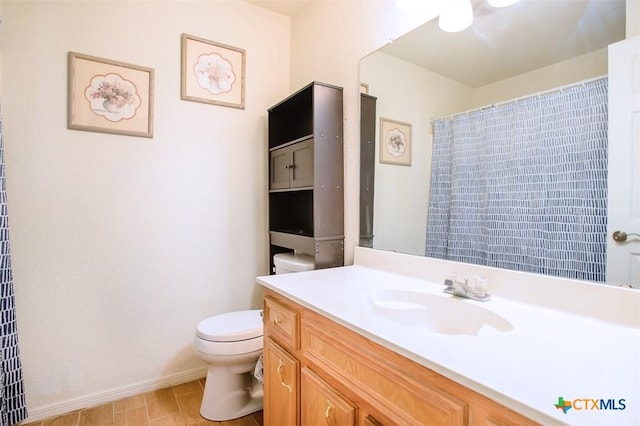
(280, 365)
(277, 321)
(326, 412)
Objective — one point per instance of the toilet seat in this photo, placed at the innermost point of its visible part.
(227, 349)
(231, 327)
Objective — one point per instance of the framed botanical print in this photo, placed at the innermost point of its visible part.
(212, 73)
(395, 142)
(109, 96)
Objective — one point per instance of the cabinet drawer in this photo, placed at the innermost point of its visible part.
(281, 323)
(394, 392)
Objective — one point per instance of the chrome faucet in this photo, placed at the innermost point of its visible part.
(460, 287)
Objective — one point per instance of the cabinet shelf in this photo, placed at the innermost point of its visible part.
(285, 144)
(302, 188)
(306, 183)
(295, 117)
(297, 242)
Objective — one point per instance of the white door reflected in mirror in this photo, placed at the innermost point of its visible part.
(623, 254)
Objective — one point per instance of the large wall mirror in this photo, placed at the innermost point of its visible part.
(507, 53)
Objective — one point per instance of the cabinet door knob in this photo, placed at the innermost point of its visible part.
(277, 321)
(326, 412)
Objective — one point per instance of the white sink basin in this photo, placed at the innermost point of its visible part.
(440, 314)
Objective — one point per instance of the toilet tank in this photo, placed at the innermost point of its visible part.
(292, 262)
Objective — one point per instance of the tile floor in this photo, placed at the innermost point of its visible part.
(175, 406)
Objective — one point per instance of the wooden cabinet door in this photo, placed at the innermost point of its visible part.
(279, 166)
(302, 160)
(369, 420)
(281, 378)
(323, 405)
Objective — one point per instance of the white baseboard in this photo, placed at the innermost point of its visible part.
(88, 401)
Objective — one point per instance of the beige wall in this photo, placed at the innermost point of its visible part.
(120, 244)
(410, 94)
(328, 40)
(580, 68)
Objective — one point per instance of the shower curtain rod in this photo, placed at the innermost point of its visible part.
(544, 92)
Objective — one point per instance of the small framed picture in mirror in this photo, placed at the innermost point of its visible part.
(395, 142)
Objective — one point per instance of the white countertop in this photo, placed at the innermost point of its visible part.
(548, 353)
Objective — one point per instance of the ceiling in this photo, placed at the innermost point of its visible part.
(284, 7)
(513, 40)
(503, 42)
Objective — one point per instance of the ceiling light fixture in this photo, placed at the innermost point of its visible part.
(457, 16)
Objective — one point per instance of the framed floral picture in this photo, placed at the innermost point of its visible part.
(395, 142)
(109, 96)
(212, 73)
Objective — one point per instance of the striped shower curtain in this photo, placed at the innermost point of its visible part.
(523, 185)
(12, 399)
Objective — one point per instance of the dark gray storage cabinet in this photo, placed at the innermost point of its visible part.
(306, 175)
(367, 167)
(292, 166)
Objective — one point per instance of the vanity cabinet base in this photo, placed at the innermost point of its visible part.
(344, 378)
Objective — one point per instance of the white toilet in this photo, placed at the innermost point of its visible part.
(231, 344)
(285, 263)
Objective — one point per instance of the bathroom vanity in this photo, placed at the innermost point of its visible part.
(320, 372)
(380, 343)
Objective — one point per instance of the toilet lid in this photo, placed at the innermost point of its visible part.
(231, 327)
